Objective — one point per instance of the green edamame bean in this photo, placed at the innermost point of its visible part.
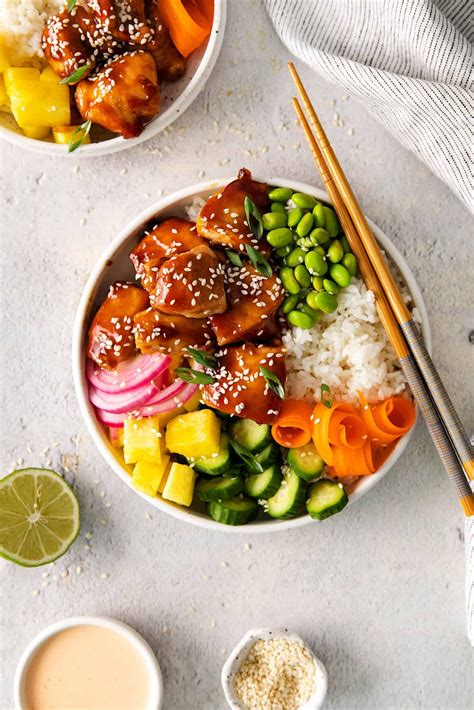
(320, 250)
(288, 280)
(280, 194)
(306, 202)
(331, 287)
(294, 216)
(317, 283)
(305, 225)
(283, 251)
(277, 207)
(340, 275)
(331, 221)
(326, 302)
(315, 263)
(318, 214)
(335, 251)
(300, 320)
(319, 236)
(345, 245)
(274, 220)
(304, 243)
(289, 304)
(295, 257)
(311, 299)
(350, 262)
(280, 237)
(302, 275)
(304, 308)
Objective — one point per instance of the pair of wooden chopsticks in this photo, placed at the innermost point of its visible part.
(443, 423)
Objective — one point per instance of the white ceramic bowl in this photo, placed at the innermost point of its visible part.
(115, 265)
(137, 641)
(239, 653)
(175, 99)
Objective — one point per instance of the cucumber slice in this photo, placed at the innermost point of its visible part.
(220, 488)
(326, 497)
(264, 485)
(215, 465)
(267, 457)
(289, 499)
(235, 511)
(250, 435)
(306, 462)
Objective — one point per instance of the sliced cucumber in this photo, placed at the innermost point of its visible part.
(269, 455)
(220, 488)
(235, 511)
(215, 465)
(250, 435)
(306, 462)
(289, 499)
(326, 498)
(264, 485)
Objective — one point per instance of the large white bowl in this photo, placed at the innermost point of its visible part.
(115, 265)
(175, 99)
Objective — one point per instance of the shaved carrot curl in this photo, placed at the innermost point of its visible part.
(292, 427)
(388, 420)
(189, 22)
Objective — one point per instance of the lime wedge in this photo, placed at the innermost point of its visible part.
(39, 516)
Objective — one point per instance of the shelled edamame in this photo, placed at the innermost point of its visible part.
(313, 254)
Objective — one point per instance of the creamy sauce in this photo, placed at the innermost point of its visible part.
(87, 668)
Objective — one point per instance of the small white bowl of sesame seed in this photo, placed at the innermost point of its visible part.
(273, 668)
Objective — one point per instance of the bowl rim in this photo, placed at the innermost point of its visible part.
(78, 354)
(159, 123)
(104, 622)
(232, 665)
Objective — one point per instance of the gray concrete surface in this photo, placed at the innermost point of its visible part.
(377, 591)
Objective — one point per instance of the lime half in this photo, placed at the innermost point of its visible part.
(39, 516)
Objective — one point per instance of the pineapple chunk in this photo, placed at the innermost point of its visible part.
(4, 100)
(192, 404)
(179, 487)
(147, 476)
(63, 135)
(194, 434)
(39, 133)
(165, 417)
(164, 480)
(4, 58)
(49, 75)
(16, 76)
(142, 440)
(116, 437)
(36, 103)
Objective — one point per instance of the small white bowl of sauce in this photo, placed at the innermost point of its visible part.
(88, 662)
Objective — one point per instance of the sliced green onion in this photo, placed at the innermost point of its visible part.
(259, 261)
(253, 216)
(79, 136)
(203, 358)
(273, 381)
(246, 456)
(76, 75)
(187, 374)
(326, 396)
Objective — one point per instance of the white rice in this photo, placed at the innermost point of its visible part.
(21, 23)
(348, 350)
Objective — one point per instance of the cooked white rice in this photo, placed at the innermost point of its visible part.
(348, 350)
(21, 23)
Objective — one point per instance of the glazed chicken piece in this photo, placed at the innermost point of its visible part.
(222, 220)
(111, 337)
(170, 64)
(240, 387)
(64, 42)
(125, 20)
(253, 303)
(122, 96)
(191, 284)
(170, 237)
(155, 331)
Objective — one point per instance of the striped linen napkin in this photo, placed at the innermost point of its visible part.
(410, 62)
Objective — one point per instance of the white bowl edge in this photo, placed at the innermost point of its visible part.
(184, 196)
(242, 648)
(159, 123)
(153, 667)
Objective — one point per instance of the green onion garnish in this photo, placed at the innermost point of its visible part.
(76, 75)
(79, 136)
(246, 456)
(203, 358)
(187, 374)
(259, 261)
(234, 258)
(326, 400)
(273, 382)
(254, 218)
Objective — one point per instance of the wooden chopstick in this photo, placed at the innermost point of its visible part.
(414, 378)
(410, 330)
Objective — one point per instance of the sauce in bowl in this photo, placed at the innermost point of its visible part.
(89, 667)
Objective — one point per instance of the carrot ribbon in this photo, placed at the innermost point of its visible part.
(189, 22)
(292, 427)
